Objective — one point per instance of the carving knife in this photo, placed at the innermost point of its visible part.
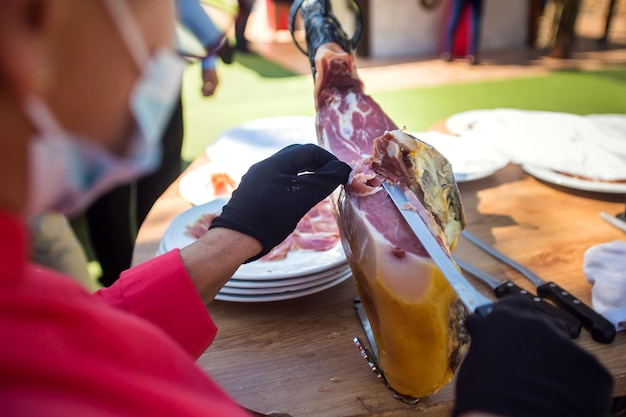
(469, 296)
(505, 288)
(601, 329)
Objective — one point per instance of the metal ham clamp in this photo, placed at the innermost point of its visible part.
(601, 329)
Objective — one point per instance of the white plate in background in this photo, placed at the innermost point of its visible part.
(471, 160)
(240, 147)
(464, 122)
(568, 181)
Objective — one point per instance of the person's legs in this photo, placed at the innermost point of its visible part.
(456, 10)
(149, 188)
(477, 9)
(609, 16)
(565, 35)
(245, 8)
(109, 223)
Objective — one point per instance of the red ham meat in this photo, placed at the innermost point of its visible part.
(415, 314)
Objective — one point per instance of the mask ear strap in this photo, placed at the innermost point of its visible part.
(41, 117)
(128, 30)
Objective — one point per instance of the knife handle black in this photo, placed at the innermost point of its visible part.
(601, 329)
(572, 324)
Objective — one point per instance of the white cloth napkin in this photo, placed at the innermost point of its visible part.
(593, 146)
(605, 268)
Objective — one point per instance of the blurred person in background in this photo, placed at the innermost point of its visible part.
(566, 13)
(113, 220)
(457, 8)
(241, 22)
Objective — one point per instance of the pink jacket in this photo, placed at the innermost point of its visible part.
(128, 350)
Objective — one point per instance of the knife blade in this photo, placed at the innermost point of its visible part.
(504, 288)
(469, 296)
(601, 329)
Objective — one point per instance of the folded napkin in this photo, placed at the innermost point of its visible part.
(605, 268)
(592, 146)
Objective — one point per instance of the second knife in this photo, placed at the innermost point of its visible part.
(601, 329)
(505, 288)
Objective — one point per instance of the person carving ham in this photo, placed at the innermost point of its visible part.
(86, 88)
(79, 115)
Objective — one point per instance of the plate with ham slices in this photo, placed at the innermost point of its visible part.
(205, 183)
(236, 149)
(308, 260)
(240, 147)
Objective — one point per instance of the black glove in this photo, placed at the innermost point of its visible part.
(520, 363)
(272, 198)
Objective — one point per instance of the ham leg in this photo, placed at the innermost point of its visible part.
(415, 314)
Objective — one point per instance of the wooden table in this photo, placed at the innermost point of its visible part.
(298, 356)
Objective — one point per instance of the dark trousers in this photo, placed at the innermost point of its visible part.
(113, 219)
(564, 37)
(458, 6)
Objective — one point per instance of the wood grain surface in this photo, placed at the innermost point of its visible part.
(297, 356)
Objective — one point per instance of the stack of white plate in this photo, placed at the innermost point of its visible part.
(301, 273)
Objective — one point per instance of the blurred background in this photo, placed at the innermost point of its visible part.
(399, 62)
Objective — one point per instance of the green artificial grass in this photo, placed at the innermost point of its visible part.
(250, 88)
(570, 92)
(253, 87)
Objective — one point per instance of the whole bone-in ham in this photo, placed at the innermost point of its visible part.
(415, 314)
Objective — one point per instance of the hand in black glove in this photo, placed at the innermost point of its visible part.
(520, 363)
(272, 197)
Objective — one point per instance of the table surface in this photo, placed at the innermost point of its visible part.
(298, 356)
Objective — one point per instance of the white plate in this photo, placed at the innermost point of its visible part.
(297, 263)
(285, 282)
(175, 236)
(567, 181)
(471, 160)
(281, 296)
(240, 147)
(462, 123)
(197, 186)
(227, 289)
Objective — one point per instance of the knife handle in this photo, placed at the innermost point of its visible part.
(601, 329)
(572, 324)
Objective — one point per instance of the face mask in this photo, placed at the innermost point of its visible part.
(67, 172)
